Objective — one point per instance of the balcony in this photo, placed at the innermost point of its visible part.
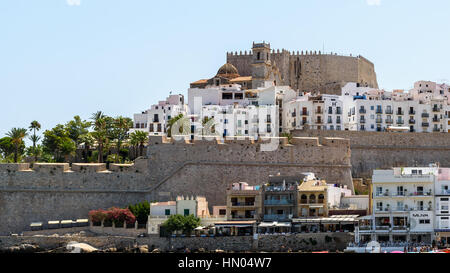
(304, 122)
(362, 121)
(278, 202)
(338, 121)
(319, 111)
(425, 124)
(379, 111)
(412, 112)
(425, 115)
(436, 109)
(378, 120)
(338, 112)
(445, 192)
(436, 130)
(319, 121)
(293, 114)
(388, 111)
(305, 113)
(389, 121)
(330, 121)
(243, 204)
(400, 113)
(362, 111)
(400, 122)
(277, 217)
(412, 121)
(436, 119)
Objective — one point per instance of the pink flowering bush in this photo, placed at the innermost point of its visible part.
(97, 216)
(113, 215)
(119, 216)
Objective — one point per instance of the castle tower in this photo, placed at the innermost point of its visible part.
(261, 65)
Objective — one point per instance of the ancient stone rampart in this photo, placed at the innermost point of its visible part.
(47, 192)
(374, 150)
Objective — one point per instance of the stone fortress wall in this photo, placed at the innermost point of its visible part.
(59, 192)
(313, 71)
(208, 168)
(379, 150)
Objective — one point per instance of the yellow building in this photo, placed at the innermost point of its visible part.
(313, 199)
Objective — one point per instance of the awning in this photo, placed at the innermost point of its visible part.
(275, 224)
(368, 217)
(199, 228)
(235, 224)
(316, 206)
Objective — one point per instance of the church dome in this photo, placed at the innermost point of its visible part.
(228, 71)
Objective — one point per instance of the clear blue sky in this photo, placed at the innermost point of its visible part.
(58, 59)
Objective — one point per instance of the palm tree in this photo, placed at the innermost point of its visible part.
(35, 126)
(87, 140)
(141, 138)
(100, 132)
(134, 142)
(121, 127)
(17, 135)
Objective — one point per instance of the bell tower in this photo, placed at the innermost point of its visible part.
(261, 65)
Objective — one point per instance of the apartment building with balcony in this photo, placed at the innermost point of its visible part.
(243, 202)
(280, 198)
(155, 120)
(442, 212)
(403, 205)
(322, 112)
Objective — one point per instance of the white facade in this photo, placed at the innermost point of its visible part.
(405, 204)
(323, 112)
(155, 120)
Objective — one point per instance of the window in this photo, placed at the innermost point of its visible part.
(167, 212)
(222, 211)
(424, 221)
(238, 96)
(227, 96)
(186, 212)
(379, 190)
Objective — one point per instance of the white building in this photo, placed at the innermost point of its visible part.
(154, 120)
(442, 195)
(322, 112)
(403, 206)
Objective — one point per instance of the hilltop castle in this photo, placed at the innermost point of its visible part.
(303, 71)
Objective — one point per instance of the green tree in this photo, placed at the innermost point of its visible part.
(76, 128)
(58, 143)
(174, 223)
(139, 138)
(6, 147)
(141, 211)
(190, 223)
(120, 132)
(100, 133)
(34, 126)
(17, 135)
(134, 142)
(88, 141)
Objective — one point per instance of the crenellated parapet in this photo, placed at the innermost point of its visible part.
(250, 141)
(139, 166)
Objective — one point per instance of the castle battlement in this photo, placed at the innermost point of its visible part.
(59, 168)
(250, 141)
